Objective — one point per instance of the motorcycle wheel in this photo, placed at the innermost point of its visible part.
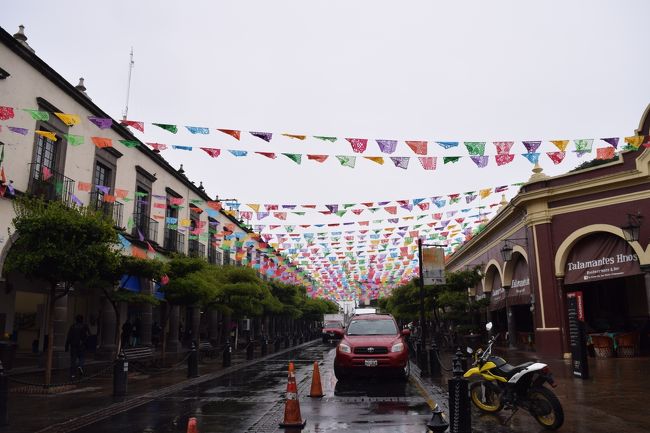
(486, 396)
(546, 408)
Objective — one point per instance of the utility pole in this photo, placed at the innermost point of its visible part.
(128, 87)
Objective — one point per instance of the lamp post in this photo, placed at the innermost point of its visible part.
(632, 228)
(424, 333)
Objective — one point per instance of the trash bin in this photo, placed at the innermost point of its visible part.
(7, 353)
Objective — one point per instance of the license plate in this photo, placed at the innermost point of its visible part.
(371, 362)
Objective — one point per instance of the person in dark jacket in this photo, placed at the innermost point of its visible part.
(76, 344)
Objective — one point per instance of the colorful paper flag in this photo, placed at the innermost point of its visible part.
(6, 113)
(447, 144)
(418, 147)
(324, 138)
(450, 159)
(74, 140)
(480, 161)
(295, 157)
(605, 153)
(102, 142)
(318, 158)
(612, 140)
(634, 141)
(531, 146)
(101, 122)
(583, 146)
(504, 158)
(43, 116)
(428, 162)
(532, 157)
(130, 143)
(266, 136)
(503, 146)
(358, 144)
(556, 157)
(68, 119)
(171, 128)
(387, 146)
(270, 155)
(198, 130)
(238, 153)
(475, 148)
(21, 131)
(211, 151)
(157, 147)
(401, 161)
(561, 144)
(297, 137)
(47, 134)
(378, 159)
(134, 124)
(347, 161)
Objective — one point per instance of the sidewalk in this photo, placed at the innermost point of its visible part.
(48, 412)
(613, 399)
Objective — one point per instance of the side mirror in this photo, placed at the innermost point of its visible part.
(406, 332)
(470, 350)
(488, 326)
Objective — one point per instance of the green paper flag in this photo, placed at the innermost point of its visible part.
(341, 213)
(298, 213)
(58, 187)
(330, 139)
(129, 224)
(74, 140)
(347, 161)
(295, 157)
(446, 159)
(129, 143)
(475, 148)
(38, 115)
(349, 205)
(171, 128)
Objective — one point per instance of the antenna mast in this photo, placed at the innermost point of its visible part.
(128, 87)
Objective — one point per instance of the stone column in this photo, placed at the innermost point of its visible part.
(107, 346)
(195, 323)
(173, 345)
(646, 275)
(512, 329)
(60, 358)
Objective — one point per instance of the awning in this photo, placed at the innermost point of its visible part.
(130, 283)
(519, 292)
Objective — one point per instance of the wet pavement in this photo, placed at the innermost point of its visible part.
(249, 397)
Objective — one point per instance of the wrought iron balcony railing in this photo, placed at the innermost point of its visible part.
(214, 255)
(174, 241)
(146, 226)
(114, 210)
(50, 184)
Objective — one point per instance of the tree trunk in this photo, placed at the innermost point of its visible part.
(50, 334)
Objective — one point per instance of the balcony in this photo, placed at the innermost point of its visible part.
(114, 211)
(174, 241)
(49, 184)
(145, 225)
(195, 248)
(214, 255)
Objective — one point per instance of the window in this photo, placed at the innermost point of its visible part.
(45, 153)
(372, 327)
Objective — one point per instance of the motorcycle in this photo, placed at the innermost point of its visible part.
(502, 385)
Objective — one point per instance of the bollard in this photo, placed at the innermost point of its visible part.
(193, 362)
(434, 362)
(120, 375)
(249, 350)
(264, 346)
(4, 396)
(227, 354)
(276, 344)
(294, 340)
(437, 423)
(463, 361)
(460, 415)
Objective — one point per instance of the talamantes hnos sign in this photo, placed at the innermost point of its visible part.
(600, 257)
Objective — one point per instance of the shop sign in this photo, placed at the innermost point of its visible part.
(577, 335)
(433, 265)
(600, 257)
(519, 293)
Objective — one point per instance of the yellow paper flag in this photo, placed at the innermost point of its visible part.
(560, 144)
(47, 134)
(485, 192)
(68, 119)
(254, 206)
(378, 159)
(634, 141)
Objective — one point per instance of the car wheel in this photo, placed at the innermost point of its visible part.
(406, 371)
(340, 373)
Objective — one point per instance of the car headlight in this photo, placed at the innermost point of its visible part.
(397, 347)
(345, 348)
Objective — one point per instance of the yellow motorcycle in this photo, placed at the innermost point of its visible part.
(515, 387)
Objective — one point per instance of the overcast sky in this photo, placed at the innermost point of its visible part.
(417, 70)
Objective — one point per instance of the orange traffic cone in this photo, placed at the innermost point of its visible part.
(292, 417)
(316, 388)
(191, 426)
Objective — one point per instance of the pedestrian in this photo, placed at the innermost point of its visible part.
(127, 330)
(75, 343)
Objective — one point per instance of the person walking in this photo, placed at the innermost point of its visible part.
(127, 331)
(75, 343)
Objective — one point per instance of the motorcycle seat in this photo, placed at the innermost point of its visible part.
(511, 370)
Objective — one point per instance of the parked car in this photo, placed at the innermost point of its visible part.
(372, 345)
(333, 330)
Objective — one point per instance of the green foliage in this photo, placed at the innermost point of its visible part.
(313, 309)
(594, 163)
(243, 293)
(191, 281)
(290, 298)
(57, 243)
(134, 298)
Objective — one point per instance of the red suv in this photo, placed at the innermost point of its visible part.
(332, 330)
(372, 344)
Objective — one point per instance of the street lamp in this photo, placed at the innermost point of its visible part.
(632, 228)
(506, 250)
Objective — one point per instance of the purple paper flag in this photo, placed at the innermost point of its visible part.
(332, 207)
(401, 161)
(383, 203)
(266, 136)
(140, 236)
(532, 146)
(612, 140)
(387, 146)
(76, 200)
(21, 131)
(103, 189)
(100, 122)
(480, 161)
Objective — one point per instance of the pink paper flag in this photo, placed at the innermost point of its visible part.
(358, 144)
(157, 147)
(503, 146)
(605, 153)
(134, 124)
(419, 147)
(428, 162)
(504, 158)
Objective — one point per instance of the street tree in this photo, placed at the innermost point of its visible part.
(62, 246)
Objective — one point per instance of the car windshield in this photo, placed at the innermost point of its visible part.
(333, 325)
(372, 327)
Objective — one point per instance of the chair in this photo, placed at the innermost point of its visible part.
(603, 346)
(628, 344)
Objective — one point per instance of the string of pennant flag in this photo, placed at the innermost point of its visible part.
(475, 149)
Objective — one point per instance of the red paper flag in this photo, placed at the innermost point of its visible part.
(83, 186)
(270, 155)
(391, 209)
(556, 157)
(211, 151)
(231, 132)
(150, 248)
(419, 147)
(605, 153)
(319, 158)
(358, 144)
(132, 123)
